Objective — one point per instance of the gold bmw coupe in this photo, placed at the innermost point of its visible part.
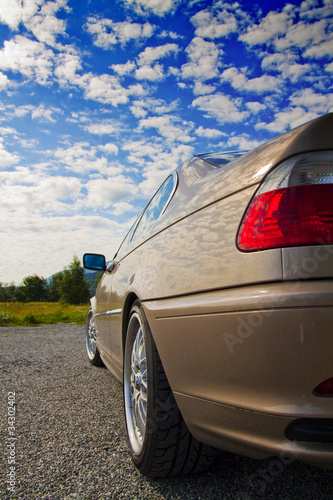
(216, 312)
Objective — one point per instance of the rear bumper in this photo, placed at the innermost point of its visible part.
(254, 434)
(243, 364)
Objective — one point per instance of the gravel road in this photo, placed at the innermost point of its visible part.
(68, 441)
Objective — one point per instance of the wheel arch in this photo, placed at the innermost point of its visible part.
(93, 304)
(127, 307)
(129, 301)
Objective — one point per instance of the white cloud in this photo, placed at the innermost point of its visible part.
(255, 107)
(38, 17)
(29, 143)
(137, 90)
(312, 36)
(273, 25)
(329, 67)
(122, 207)
(167, 127)
(124, 69)
(46, 26)
(6, 158)
(109, 148)
(62, 236)
(138, 110)
(311, 9)
(242, 142)
(77, 150)
(68, 64)
(152, 54)
(4, 81)
(13, 12)
(101, 128)
(169, 34)
(201, 88)
(7, 131)
(21, 111)
(151, 73)
(144, 69)
(107, 33)
(312, 101)
(22, 191)
(239, 81)
(34, 61)
(210, 26)
(103, 88)
(43, 114)
(220, 107)
(320, 50)
(105, 192)
(302, 35)
(30, 58)
(20, 175)
(157, 7)
(141, 107)
(288, 119)
(83, 158)
(285, 63)
(139, 151)
(204, 60)
(208, 132)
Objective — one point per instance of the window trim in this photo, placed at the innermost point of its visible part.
(174, 187)
(174, 176)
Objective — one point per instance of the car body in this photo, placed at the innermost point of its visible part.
(230, 268)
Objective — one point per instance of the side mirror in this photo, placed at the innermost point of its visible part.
(94, 261)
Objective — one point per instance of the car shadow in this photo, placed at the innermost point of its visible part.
(237, 477)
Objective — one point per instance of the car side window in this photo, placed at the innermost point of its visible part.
(157, 204)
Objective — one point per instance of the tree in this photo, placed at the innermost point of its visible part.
(20, 295)
(33, 289)
(8, 292)
(54, 287)
(4, 294)
(73, 287)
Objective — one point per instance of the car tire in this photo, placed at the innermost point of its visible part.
(92, 350)
(159, 440)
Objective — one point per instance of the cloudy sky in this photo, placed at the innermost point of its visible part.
(101, 99)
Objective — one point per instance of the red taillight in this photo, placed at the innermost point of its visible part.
(325, 388)
(293, 207)
(300, 215)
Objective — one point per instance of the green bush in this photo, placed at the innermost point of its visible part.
(4, 319)
(29, 319)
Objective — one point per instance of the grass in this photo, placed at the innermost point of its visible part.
(41, 313)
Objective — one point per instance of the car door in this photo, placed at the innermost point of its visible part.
(126, 268)
(102, 313)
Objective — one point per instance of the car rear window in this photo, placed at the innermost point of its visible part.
(222, 158)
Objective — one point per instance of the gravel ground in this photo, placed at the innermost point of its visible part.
(70, 435)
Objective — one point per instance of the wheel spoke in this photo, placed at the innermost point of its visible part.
(91, 338)
(136, 383)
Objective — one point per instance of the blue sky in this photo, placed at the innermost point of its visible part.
(100, 100)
